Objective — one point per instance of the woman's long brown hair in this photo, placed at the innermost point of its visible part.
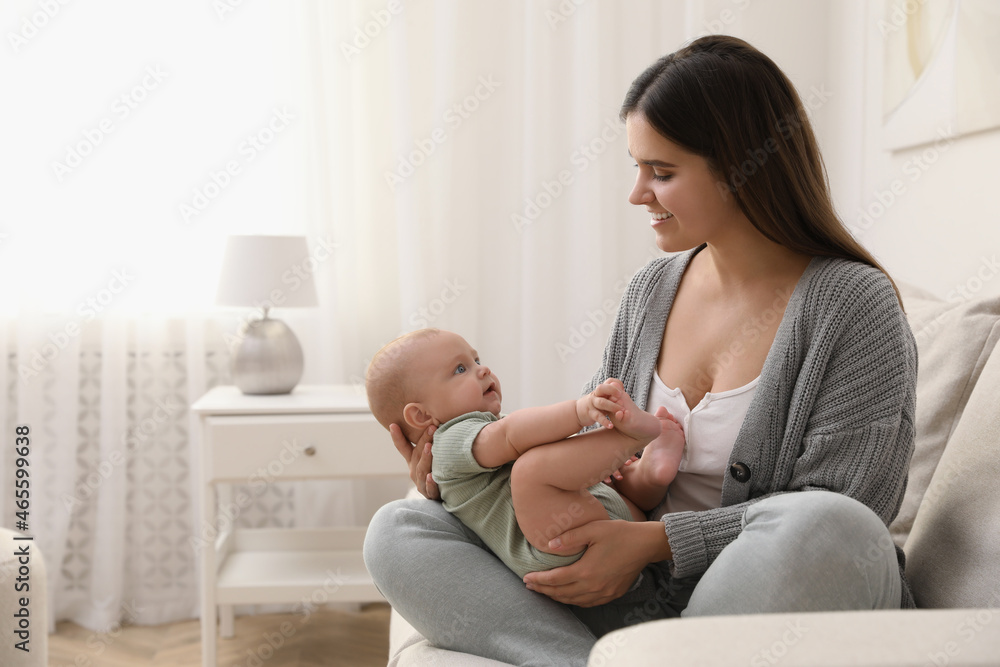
(722, 99)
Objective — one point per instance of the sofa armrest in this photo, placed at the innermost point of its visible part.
(895, 638)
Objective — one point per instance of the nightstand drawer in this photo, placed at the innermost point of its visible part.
(270, 447)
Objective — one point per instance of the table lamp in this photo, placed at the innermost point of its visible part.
(266, 272)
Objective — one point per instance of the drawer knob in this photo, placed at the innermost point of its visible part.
(310, 450)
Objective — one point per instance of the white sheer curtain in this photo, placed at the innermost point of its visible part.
(141, 135)
(112, 482)
(469, 158)
(466, 158)
(506, 221)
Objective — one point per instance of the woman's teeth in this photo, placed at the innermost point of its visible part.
(662, 216)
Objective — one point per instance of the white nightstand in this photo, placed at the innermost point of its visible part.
(319, 432)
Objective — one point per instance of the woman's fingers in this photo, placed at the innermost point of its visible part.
(550, 579)
(569, 542)
(568, 585)
(573, 539)
(430, 488)
(603, 573)
(403, 446)
(418, 458)
(426, 485)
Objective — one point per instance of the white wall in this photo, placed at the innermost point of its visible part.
(941, 231)
(922, 211)
(793, 33)
(936, 230)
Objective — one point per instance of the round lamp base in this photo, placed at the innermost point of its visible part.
(268, 360)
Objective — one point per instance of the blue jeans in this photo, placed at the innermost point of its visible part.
(806, 551)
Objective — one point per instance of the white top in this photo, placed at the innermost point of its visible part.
(710, 431)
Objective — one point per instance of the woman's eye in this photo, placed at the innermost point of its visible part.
(460, 369)
(658, 177)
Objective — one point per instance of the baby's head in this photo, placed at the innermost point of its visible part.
(426, 377)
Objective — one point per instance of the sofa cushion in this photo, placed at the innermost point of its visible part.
(952, 553)
(887, 638)
(954, 340)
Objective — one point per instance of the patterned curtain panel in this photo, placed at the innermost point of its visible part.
(114, 462)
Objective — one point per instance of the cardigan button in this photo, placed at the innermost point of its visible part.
(740, 471)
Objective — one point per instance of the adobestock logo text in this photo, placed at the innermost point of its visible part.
(31, 25)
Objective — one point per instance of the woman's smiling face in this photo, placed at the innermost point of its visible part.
(688, 204)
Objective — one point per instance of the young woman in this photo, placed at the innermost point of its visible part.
(776, 339)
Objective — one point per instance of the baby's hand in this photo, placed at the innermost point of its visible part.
(597, 405)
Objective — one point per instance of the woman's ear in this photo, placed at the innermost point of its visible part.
(416, 416)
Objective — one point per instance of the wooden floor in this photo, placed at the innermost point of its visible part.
(359, 639)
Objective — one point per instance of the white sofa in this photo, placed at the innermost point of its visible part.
(10, 603)
(949, 525)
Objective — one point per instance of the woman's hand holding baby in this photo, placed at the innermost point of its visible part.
(606, 570)
(418, 457)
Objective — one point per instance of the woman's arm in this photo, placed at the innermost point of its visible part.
(617, 551)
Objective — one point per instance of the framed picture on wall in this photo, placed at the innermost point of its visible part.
(942, 70)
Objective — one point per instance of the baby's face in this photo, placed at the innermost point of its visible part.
(452, 380)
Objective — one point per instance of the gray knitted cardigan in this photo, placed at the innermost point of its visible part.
(833, 409)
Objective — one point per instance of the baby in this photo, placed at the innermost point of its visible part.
(520, 480)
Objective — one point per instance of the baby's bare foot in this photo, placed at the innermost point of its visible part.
(661, 457)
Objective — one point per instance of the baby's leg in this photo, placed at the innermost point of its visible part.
(549, 483)
(645, 481)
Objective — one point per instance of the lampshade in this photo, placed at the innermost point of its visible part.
(267, 271)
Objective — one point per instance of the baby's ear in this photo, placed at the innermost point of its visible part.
(416, 416)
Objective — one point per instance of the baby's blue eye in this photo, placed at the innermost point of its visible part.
(460, 369)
